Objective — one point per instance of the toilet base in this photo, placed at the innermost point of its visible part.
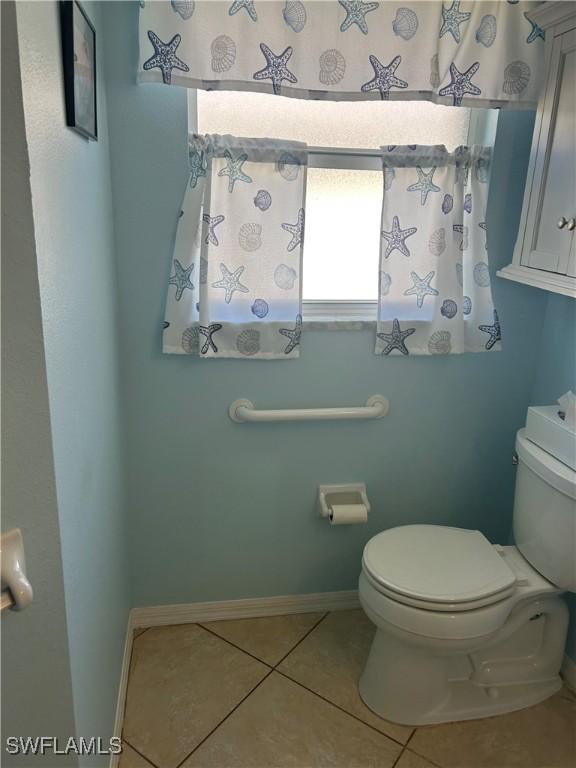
(468, 701)
(410, 683)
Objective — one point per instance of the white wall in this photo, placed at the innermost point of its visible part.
(35, 660)
(72, 207)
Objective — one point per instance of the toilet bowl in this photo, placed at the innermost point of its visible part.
(464, 628)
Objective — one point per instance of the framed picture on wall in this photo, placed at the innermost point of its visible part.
(79, 60)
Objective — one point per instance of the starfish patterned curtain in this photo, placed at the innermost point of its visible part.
(235, 285)
(434, 288)
(484, 54)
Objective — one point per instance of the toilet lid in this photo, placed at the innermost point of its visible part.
(435, 563)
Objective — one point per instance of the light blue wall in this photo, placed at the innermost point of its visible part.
(220, 510)
(71, 196)
(556, 374)
(556, 368)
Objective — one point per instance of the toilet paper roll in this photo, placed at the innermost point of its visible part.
(346, 514)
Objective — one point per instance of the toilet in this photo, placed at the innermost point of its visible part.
(466, 629)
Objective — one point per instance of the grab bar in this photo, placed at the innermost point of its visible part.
(376, 407)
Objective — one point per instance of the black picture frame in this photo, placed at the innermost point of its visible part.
(79, 66)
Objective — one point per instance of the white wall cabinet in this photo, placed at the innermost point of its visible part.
(545, 253)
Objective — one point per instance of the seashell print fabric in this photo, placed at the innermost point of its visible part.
(435, 295)
(456, 52)
(234, 288)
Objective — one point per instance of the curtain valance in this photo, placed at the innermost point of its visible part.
(484, 54)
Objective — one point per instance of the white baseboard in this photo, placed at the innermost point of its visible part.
(122, 687)
(568, 672)
(184, 613)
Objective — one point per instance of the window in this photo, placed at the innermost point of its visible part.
(344, 189)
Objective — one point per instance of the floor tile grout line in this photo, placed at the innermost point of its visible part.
(411, 751)
(238, 648)
(337, 706)
(140, 753)
(395, 763)
(411, 736)
(257, 658)
(309, 632)
(428, 759)
(208, 735)
(418, 753)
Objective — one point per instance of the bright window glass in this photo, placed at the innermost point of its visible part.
(342, 235)
(353, 124)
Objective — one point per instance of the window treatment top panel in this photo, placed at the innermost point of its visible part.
(437, 156)
(257, 150)
(483, 54)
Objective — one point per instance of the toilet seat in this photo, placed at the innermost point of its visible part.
(428, 605)
(437, 568)
(438, 621)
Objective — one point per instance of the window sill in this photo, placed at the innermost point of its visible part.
(316, 323)
(339, 315)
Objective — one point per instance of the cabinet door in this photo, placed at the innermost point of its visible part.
(554, 194)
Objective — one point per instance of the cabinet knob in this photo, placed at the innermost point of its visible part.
(561, 222)
(571, 224)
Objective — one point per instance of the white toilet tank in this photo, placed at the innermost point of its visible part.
(545, 513)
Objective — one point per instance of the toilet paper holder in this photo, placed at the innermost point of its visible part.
(335, 495)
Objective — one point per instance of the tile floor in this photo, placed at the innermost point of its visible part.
(281, 692)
